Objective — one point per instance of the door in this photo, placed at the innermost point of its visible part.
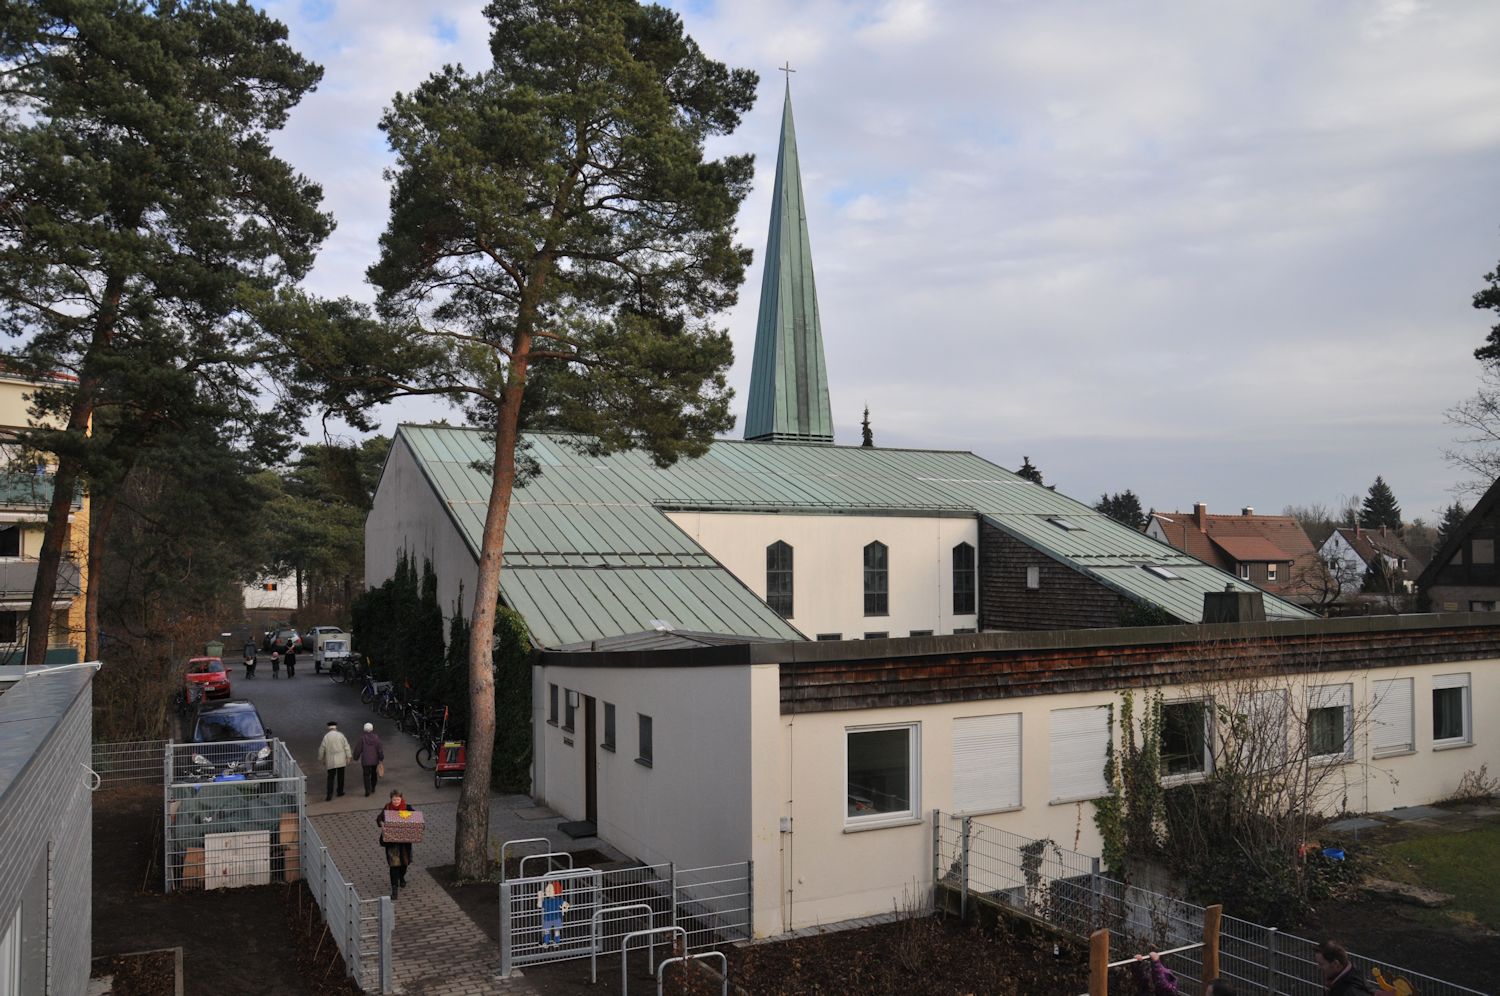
(590, 763)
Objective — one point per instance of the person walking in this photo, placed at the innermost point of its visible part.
(371, 756)
(397, 856)
(1339, 976)
(291, 663)
(276, 662)
(334, 752)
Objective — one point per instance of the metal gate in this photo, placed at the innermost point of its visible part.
(592, 910)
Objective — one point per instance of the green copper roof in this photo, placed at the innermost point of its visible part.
(788, 380)
(590, 552)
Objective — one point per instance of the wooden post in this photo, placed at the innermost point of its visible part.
(1099, 963)
(1211, 917)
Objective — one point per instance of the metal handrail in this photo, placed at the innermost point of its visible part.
(596, 922)
(662, 968)
(549, 855)
(518, 841)
(651, 949)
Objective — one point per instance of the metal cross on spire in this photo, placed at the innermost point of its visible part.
(788, 70)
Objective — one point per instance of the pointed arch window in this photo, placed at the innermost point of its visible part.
(779, 578)
(963, 580)
(877, 580)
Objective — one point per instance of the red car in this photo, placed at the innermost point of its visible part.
(206, 678)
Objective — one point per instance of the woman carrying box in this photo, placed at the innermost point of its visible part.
(397, 856)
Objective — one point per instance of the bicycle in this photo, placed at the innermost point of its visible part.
(373, 690)
(386, 703)
(434, 730)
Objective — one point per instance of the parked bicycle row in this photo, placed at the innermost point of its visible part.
(428, 724)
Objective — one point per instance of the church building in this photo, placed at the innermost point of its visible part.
(783, 535)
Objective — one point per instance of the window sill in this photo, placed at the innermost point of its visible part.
(1073, 799)
(1187, 778)
(1451, 744)
(1402, 752)
(567, 741)
(986, 812)
(1326, 759)
(644, 762)
(608, 747)
(569, 730)
(903, 820)
(552, 722)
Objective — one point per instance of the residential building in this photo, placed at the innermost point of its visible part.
(1272, 552)
(46, 812)
(25, 494)
(1462, 574)
(783, 535)
(825, 763)
(1355, 549)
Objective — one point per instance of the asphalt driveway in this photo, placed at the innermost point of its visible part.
(297, 710)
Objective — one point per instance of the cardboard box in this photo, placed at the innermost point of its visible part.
(403, 828)
(291, 847)
(192, 868)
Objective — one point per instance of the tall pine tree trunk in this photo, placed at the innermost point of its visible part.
(103, 513)
(470, 844)
(65, 479)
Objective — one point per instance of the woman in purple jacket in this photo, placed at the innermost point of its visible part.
(370, 755)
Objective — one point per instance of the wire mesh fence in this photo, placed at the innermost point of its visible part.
(1066, 889)
(128, 761)
(360, 927)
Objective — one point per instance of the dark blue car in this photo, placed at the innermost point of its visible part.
(230, 738)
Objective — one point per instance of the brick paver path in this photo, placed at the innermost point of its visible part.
(438, 950)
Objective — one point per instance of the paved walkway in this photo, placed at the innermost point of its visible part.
(438, 950)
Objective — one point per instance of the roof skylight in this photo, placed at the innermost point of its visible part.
(1161, 572)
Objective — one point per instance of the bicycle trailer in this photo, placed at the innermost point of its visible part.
(450, 763)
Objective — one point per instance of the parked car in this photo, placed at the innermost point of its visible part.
(286, 638)
(229, 736)
(206, 678)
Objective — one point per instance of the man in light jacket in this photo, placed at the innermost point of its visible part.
(334, 753)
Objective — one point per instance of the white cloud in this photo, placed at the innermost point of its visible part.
(1207, 251)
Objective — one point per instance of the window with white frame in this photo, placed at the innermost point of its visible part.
(987, 763)
(1244, 571)
(570, 709)
(1080, 748)
(1270, 572)
(1391, 725)
(1451, 725)
(881, 768)
(1330, 726)
(1185, 741)
(1033, 578)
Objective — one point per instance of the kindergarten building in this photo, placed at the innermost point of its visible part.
(827, 764)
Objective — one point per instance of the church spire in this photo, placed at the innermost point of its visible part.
(788, 379)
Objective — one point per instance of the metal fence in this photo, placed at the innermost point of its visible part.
(235, 813)
(360, 927)
(1068, 890)
(709, 905)
(127, 761)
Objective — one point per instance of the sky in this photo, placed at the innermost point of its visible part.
(1219, 252)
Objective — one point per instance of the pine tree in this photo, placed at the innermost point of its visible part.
(145, 219)
(866, 435)
(1028, 471)
(1380, 508)
(1123, 507)
(554, 219)
(1453, 517)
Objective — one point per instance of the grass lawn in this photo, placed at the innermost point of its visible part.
(1464, 865)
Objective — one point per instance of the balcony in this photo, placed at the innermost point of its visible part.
(23, 489)
(18, 580)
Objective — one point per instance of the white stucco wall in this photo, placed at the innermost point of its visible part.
(407, 514)
(835, 874)
(828, 565)
(693, 804)
(284, 597)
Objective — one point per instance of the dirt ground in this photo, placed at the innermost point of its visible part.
(1415, 938)
(151, 973)
(253, 940)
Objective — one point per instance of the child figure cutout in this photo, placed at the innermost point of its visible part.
(552, 904)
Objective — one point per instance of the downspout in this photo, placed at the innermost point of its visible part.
(787, 858)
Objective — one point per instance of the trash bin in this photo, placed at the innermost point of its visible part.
(214, 648)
